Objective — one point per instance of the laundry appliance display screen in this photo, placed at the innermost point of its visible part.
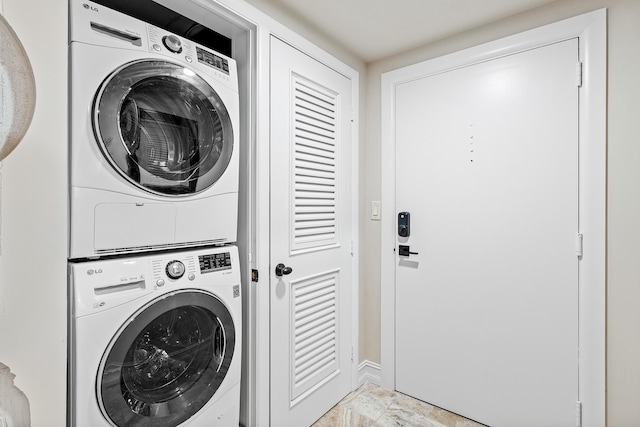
(214, 262)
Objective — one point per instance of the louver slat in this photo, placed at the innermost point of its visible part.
(314, 172)
(308, 150)
(316, 186)
(314, 195)
(315, 209)
(314, 332)
(315, 161)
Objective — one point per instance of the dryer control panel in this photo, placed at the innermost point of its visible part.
(212, 60)
(160, 41)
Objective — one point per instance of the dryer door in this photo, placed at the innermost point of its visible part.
(167, 361)
(163, 127)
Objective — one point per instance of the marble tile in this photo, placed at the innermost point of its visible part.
(368, 405)
(377, 391)
(399, 400)
(402, 417)
(374, 406)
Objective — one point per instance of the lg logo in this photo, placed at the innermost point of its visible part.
(89, 7)
(91, 271)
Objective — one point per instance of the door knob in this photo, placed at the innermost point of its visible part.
(282, 270)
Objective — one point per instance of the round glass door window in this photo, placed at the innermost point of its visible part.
(167, 362)
(163, 128)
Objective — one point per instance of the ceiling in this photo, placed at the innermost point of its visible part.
(376, 29)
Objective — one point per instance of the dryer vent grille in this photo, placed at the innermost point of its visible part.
(145, 248)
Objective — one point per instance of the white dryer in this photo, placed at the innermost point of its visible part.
(154, 122)
(155, 340)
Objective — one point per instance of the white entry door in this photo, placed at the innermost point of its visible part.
(311, 195)
(487, 300)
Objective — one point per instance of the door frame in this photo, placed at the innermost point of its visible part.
(590, 28)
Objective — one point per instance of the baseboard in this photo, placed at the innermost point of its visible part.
(369, 372)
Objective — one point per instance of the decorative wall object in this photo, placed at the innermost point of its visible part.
(17, 90)
(14, 405)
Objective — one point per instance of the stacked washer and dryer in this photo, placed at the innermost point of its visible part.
(154, 278)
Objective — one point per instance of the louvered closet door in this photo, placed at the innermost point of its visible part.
(311, 234)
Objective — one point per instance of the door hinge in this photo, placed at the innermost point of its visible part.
(579, 244)
(254, 275)
(578, 414)
(579, 74)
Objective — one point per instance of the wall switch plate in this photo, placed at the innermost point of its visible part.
(376, 210)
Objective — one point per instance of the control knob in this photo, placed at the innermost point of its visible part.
(175, 269)
(172, 43)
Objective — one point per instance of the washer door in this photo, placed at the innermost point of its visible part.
(163, 128)
(167, 361)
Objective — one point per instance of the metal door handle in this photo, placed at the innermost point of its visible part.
(404, 251)
(282, 270)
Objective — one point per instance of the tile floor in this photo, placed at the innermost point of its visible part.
(374, 406)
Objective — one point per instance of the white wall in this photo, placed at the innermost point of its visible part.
(623, 329)
(33, 294)
(34, 229)
(623, 276)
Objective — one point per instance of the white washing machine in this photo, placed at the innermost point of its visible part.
(155, 340)
(154, 122)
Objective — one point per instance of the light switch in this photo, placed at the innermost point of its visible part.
(376, 210)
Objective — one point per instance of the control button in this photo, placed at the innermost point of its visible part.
(172, 43)
(157, 47)
(160, 283)
(191, 276)
(188, 58)
(175, 269)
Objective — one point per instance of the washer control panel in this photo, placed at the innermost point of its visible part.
(103, 284)
(167, 269)
(214, 262)
(189, 266)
